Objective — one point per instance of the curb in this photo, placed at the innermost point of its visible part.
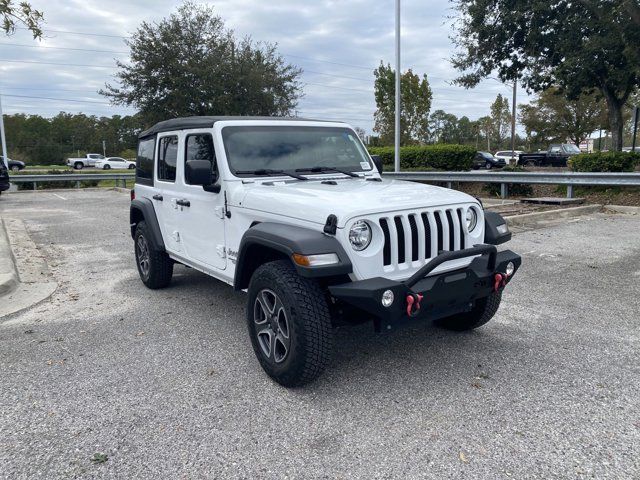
(540, 219)
(622, 209)
(9, 279)
(29, 281)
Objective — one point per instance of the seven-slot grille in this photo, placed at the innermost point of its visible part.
(420, 236)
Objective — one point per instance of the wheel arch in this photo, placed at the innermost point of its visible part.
(268, 241)
(142, 209)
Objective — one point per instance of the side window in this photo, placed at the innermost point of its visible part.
(167, 158)
(144, 161)
(200, 147)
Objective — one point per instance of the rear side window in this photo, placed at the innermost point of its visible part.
(200, 147)
(144, 161)
(167, 158)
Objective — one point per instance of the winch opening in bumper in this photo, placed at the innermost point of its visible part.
(436, 296)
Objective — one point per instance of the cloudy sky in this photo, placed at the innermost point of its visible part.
(338, 43)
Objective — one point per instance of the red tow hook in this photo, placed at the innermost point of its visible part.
(413, 304)
(499, 281)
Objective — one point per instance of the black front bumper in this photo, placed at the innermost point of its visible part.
(442, 294)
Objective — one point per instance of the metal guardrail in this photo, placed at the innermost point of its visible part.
(570, 179)
(77, 177)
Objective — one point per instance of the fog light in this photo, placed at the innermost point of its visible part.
(510, 268)
(387, 298)
(502, 229)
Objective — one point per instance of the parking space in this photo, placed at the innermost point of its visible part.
(165, 383)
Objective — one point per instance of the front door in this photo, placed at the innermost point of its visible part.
(201, 213)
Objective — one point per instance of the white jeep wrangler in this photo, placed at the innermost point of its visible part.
(296, 213)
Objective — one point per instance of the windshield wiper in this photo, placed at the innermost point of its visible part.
(328, 169)
(268, 171)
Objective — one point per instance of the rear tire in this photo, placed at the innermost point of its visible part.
(15, 168)
(289, 324)
(531, 163)
(483, 311)
(155, 267)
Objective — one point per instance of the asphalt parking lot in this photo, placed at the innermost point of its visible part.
(165, 383)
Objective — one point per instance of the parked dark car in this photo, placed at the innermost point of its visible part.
(4, 178)
(488, 161)
(556, 156)
(14, 165)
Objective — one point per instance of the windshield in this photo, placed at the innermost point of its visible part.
(570, 148)
(253, 148)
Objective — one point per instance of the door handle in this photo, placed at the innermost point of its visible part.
(183, 203)
(158, 197)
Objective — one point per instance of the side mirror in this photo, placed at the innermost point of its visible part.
(377, 161)
(199, 172)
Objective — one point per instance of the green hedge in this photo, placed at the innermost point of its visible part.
(63, 184)
(604, 162)
(438, 157)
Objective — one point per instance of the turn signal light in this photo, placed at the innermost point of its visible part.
(315, 260)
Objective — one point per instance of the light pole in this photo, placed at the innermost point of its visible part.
(513, 123)
(398, 109)
(2, 137)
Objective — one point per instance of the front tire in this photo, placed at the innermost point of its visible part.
(483, 311)
(107, 167)
(488, 165)
(289, 324)
(78, 165)
(155, 267)
(15, 168)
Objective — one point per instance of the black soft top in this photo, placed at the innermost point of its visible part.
(185, 123)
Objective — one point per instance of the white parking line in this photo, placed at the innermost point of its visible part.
(59, 196)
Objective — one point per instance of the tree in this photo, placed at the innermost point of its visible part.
(415, 105)
(500, 119)
(190, 64)
(576, 45)
(443, 127)
(552, 117)
(21, 13)
(361, 134)
(485, 126)
(466, 132)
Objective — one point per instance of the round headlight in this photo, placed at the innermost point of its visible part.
(472, 219)
(360, 235)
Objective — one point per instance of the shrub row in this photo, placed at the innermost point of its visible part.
(438, 157)
(515, 189)
(604, 162)
(63, 184)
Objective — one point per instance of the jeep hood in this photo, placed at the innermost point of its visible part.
(314, 201)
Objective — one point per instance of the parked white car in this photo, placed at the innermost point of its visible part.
(115, 162)
(511, 157)
(296, 213)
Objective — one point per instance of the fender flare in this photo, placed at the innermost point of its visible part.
(491, 234)
(143, 207)
(287, 240)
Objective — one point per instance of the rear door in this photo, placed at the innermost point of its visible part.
(165, 194)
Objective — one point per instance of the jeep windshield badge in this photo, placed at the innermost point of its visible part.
(402, 244)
